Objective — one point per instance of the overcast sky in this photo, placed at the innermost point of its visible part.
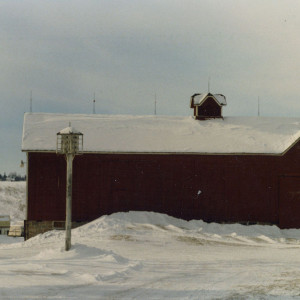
(126, 51)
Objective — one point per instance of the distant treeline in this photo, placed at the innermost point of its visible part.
(12, 176)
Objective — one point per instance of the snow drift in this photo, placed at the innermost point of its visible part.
(146, 255)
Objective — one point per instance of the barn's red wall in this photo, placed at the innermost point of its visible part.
(220, 188)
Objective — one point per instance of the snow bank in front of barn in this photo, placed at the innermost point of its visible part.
(135, 226)
(124, 222)
(164, 134)
(146, 255)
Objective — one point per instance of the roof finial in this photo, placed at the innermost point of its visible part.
(209, 84)
(155, 104)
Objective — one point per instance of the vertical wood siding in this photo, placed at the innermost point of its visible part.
(219, 188)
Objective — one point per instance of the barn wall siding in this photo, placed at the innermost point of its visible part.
(219, 188)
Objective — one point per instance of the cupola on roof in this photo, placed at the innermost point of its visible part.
(199, 98)
(207, 106)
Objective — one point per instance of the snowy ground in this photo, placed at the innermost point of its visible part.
(12, 200)
(144, 255)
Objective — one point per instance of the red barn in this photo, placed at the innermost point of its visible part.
(227, 169)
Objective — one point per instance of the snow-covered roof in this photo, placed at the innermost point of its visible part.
(198, 99)
(163, 134)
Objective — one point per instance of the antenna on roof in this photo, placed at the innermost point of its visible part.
(94, 104)
(208, 84)
(30, 108)
(258, 108)
(155, 104)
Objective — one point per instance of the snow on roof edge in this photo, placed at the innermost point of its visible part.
(170, 153)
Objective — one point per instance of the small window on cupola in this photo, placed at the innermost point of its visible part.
(207, 106)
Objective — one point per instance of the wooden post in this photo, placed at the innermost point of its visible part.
(69, 201)
(68, 143)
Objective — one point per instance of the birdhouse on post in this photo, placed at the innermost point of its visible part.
(69, 143)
